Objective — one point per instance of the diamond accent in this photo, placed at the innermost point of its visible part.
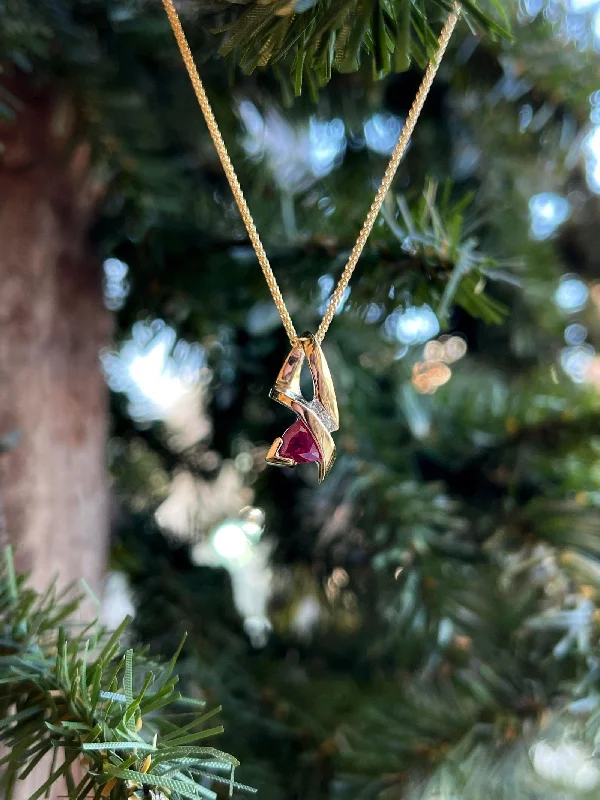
(321, 412)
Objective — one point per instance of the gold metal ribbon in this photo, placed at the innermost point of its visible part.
(319, 415)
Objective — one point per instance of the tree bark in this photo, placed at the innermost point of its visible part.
(53, 399)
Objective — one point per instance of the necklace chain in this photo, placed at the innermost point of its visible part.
(386, 181)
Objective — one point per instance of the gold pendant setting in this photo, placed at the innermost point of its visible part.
(309, 438)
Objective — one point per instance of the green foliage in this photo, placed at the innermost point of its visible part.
(303, 41)
(91, 705)
(311, 39)
(438, 233)
(464, 523)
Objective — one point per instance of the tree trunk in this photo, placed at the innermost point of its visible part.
(53, 400)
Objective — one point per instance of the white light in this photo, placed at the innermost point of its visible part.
(567, 765)
(587, 777)
(147, 370)
(252, 529)
(306, 616)
(230, 541)
(253, 122)
(532, 7)
(575, 333)
(326, 285)
(295, 155)
(581, 5)
(258, 629)
(572, 294)
(544, 763)
(327, 145)
(253, 520)
(116, 285)
(445, 632)
(117, 600)
(591, 148)
(373, 313)
(547, 211)
(576, 361)
(154, 369)
(414, 325)
(381, 133)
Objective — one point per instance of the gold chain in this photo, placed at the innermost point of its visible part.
(386, 181)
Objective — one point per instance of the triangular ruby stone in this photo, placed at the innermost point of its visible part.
(298, 444)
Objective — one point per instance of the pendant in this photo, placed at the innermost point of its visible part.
(309, 438)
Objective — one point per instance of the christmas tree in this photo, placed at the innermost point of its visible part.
(423, 624)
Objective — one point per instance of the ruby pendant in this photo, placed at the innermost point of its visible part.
(298, 444)
(308, 439)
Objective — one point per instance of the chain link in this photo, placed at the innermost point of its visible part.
(240, 200)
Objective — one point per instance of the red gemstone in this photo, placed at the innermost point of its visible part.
(298, 444)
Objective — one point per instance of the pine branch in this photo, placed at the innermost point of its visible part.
(93, 705)
(437, 232)
(309, 40)
(426, 247)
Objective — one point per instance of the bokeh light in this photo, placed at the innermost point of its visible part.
(253, 521)
(572, 293)
(234, 539)
(575, 334)
(567, 765)
(428, 376)
(433, 372)
(326, 287)
(115, 285)
(231, 542)
(547, 211)
(591, 149)
(576, 361)
(295, 155)
(412, 325)
(155, 369)
(327, 145)
(381, 132)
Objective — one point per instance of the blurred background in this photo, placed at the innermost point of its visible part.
(425, 623)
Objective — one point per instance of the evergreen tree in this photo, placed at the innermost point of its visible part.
(424, 623)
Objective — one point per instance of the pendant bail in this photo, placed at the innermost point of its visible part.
(309, 438)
